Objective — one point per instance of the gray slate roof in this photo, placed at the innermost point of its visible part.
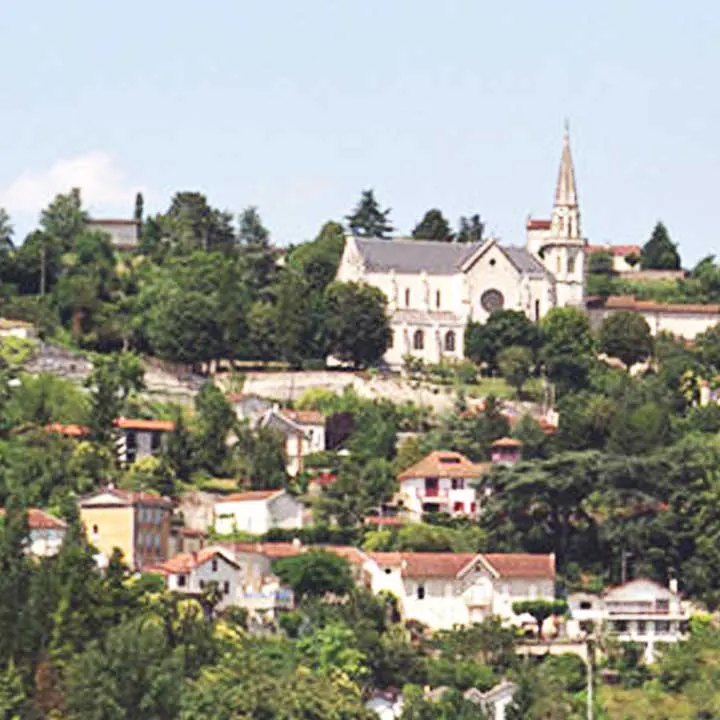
(435, 258)
(414, 256)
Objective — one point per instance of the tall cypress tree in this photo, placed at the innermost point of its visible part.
(660, 252)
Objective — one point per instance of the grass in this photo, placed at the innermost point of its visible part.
(500, 389)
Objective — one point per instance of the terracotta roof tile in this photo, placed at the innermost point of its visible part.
(187, 562)
(40, 520)
(67, 430)
(444, 463)
(141, 424)
(622, 250)
(384, 521)
(536, 224)
(250, 496)
(130, 498)
(522, 564)
(507, 442)
(305, 417)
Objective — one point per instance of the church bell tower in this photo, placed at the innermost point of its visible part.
(561, 246)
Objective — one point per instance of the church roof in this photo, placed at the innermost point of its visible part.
(566, 191)
(414, 256)
(524, 261)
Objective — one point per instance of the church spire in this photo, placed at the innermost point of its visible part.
(566, 192)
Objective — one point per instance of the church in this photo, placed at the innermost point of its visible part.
(435, 288)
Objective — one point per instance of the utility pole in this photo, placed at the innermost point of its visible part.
(590, 659)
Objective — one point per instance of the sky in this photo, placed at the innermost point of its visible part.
(296, 106)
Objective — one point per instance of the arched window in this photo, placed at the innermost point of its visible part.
(407, 297)
(418, 340)
(450, 341)
(491, 301)
(437, 298)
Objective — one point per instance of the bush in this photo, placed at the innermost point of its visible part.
(313, 364)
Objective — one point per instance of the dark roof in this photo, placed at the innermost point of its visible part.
(524, 261)
(414, 256)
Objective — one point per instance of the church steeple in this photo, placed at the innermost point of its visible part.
(566, 191)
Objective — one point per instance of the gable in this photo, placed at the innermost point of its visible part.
(640, 589)
(105, 500)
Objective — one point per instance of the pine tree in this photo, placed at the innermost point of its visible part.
(367, 219)
(139, 207)
(660, 252)
(471, 229)
(251, 231)
(433, 226)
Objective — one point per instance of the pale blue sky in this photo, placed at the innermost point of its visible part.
(297, 105)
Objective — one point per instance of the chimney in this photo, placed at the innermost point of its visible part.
(673, 585)
(296, 543)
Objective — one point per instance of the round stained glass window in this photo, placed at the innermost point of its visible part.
(492, 300)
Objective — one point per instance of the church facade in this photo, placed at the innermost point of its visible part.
(435, 288)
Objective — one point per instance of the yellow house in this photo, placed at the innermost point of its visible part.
(136, 523)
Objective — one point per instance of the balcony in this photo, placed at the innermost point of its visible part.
(264, 601)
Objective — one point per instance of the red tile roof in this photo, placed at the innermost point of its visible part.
(628, 302)
(323, 479)
(140, 424)
(384, 521)
(622, 250)
(305, 417)
(128, 498)
(250, 496)
(187, 562)
(533, 224)
(68, 430)
(507, 442)
(446, 565)
(40, 520)
(189, 532)
(444, 463)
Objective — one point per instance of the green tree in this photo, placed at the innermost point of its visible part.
(334, 648)
(483, 342)
(140, 675)
(315, 574)
(367, 219)
(626, 335)
(433, 226)
(192, 224)
(515, 364)
(318, 260)
(358, 327)
(567, 347)
(541, 610)
(471, 229)
(139, 213)
(251, 231)
(64, 219)
(215, 420)
(659, 252)
(260, 456)
(6, 231)
(600, 262)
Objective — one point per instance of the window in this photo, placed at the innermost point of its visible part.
(437, 298)
(181, 580)
(95, 529)
(391, 339)
(458, 507)
(571, 263)
(662, 626)
(621, 626)
(131, 440)
(458, 484)
(450, 341)
(418, 340)
(157, 542)
(156, 441)
(492, 300)
(202, 584)
(473, 507)
(558, 264)
(407, 297)
(641, 625)
(585, 605)
(226, 587)
(492, 262)
(214, 565)
(421, 592)
(388, 571)
(663, 605)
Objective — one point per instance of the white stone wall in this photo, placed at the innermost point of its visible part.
(250, 516)
(685, 325)
(285, 512)
(218, 570)
(492, 271)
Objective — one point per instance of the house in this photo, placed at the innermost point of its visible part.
(443, 481)
(640, 611)
(197, 509)
(46, 532)
(304, 432)
(141, 438)
(256, 511)
(17, 329)
(185, 540)
(249, 406)
(136, 523)
(441, 590)
(433, 288)
(124, 233)
(684, 320)
(505, 451)
(625, 258)
(192, 573)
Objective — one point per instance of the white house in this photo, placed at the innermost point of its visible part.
(192, 573)
(441, 590)
(250, 407)
(46, 532)
(141, 438)
(641, 611)
(124, 233)
(434, 288)
(17, 329)
(304, 432)
(625, 258)
(256, 511)
(443, 481)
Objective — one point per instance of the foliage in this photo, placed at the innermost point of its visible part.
(367, 219)
(504, 328)
(541, 610)
(567, 346)
(315, 574)
(433, 226)
(659, 252)
(515, 363)
(626, 335)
